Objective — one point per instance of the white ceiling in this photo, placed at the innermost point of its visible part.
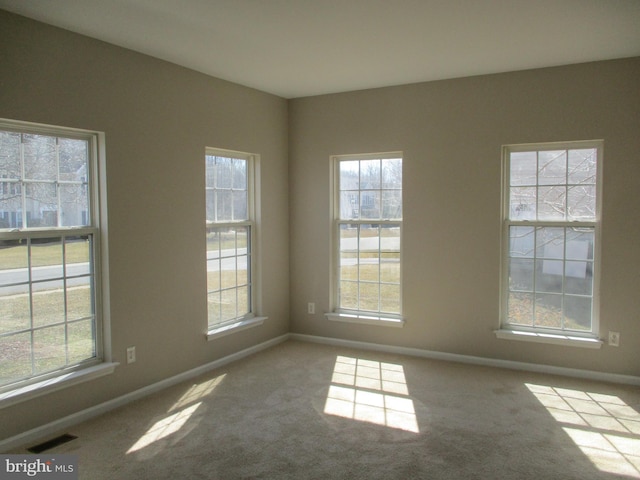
(296, 48)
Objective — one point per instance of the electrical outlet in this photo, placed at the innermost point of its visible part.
(614, 339)
(131, 354)
(311, 308)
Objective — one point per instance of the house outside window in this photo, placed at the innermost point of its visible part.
(551, 229)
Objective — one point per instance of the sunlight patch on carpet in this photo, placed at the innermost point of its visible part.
(371, 391)
(197, 392)
(604, 427)
(184, 408)
(165, 427)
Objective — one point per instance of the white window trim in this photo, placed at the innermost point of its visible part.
(64, 379)
(508, 331)
(235, 326)
(549, 338)
(362, 317)
(102, 364)
(253, 193)
(366, 319)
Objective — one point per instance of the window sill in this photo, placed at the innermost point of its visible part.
(59, 382)
(549, 338)
(230, 328)
(379, 321)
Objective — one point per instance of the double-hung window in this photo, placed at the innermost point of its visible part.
(367, 232)
(50, 314)
(231, 232)
(550, 238)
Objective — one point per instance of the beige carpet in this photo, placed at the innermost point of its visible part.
(307, 411)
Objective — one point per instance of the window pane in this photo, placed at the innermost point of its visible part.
(48, 303)
(581, 203)
(77, 251)
(79, 302)
(552, 203)
(40, 161)
(390, 298)
(240, 202)
(579, 278)
(239, 174)
(49, 348)
(580, 243)
(41, 205)
(229, 304)
(228, 277)
(391, 204)
(369, 294)
(224, 205)
(15, 312)
(349, 175)
(214, 308)
(370, 174)
(223, 172)
(74, 205)
(369, 269)
(370, 205)
(369, 237)
(390, 268)
(550, 242)
(521, 274)
(81, 341)
(210, 171)
(548, 311)
(349, 295)
(10, 155)
(578, 312)
(583, 166)
(13, 262)
(523, 203)
(10, 205)
(390, 238)
(210, 203)
(552, 167)
(522, 241)
(523, 168)
(74, 159)
(46, 252)
(213, 272)
(243, 301)
(349, 205)
(392, 173)
(549, 276)
(15, 358)
(520, 308)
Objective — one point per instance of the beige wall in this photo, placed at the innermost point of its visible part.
(157, 120)
(451, 133)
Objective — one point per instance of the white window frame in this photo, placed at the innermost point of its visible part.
(250, 319)
(100, 364)
(550, 335)
(339, 314)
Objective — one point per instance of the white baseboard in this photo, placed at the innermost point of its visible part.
(468, 359)
(61, 424)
